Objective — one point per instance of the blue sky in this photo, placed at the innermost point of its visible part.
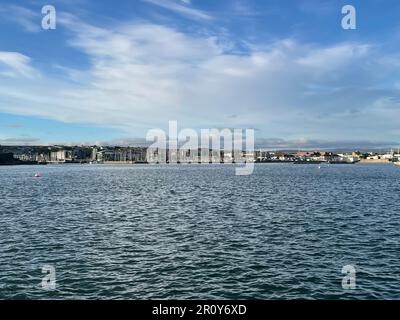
(114, 69)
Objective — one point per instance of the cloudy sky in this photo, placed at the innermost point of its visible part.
(112, 70)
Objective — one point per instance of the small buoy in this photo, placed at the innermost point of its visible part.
(37, 175)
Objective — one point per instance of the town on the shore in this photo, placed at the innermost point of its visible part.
(14, 155)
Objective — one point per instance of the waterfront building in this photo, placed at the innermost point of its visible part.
(60, 156)
(120, 155)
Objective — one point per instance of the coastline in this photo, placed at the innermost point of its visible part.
(116, 163)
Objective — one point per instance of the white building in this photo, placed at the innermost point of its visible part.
(60, 156)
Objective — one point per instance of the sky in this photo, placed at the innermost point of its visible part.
(112, 70)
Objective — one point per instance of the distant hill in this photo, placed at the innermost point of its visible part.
(7, 159)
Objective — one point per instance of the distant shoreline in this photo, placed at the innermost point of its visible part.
(189, 164)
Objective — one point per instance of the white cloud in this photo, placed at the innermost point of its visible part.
(24, 141)
(26, 18)
(143, 75)
(14, 64)
(181, 7)
(337, 56)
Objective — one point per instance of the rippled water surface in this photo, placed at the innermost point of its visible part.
(168, 232)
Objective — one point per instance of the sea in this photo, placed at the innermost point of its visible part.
(200, 232)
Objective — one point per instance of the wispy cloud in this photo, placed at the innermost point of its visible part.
(14, 64)
(242, 8)
(20, 141)
(181, 7)
(27, 19)
(141, 75)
